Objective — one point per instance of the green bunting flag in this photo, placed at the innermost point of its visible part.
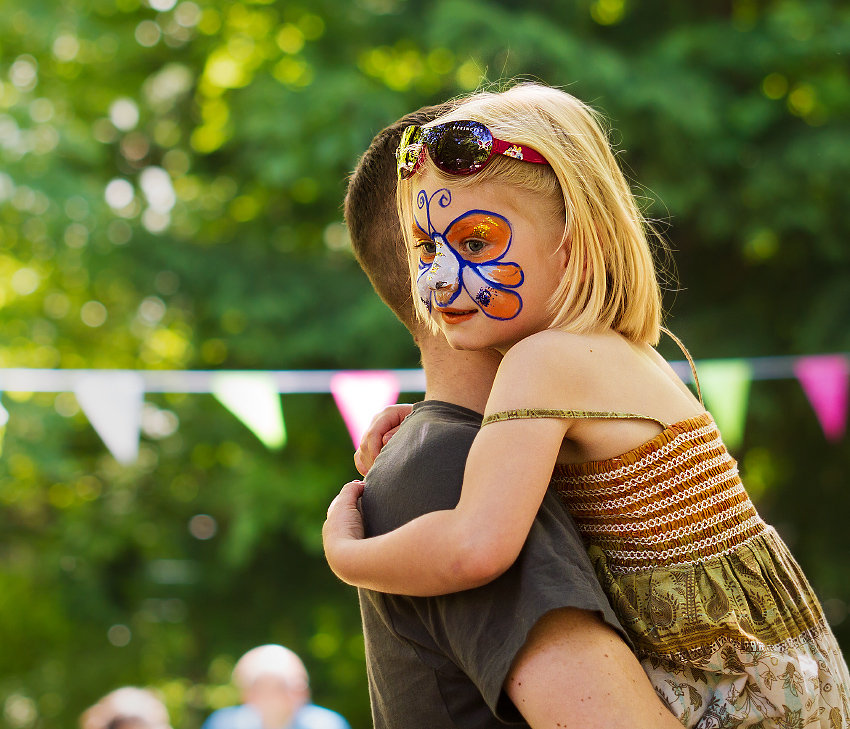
(726, 388)
(253, 397)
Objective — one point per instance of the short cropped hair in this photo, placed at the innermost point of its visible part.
(610, 278)
(372, 218)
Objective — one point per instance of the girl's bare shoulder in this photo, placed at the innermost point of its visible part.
(560, 349)
(545, 369)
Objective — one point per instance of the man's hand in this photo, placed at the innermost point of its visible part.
(382, 428)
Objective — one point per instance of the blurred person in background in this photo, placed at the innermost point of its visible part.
(275, 692)
(126, 708)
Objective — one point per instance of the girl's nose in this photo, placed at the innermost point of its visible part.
(443, 275)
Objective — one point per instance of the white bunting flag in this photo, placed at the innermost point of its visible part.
(4, 418)
(362, 395)
(112, 401)
(253, 397)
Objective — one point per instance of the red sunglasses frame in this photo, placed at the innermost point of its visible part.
(424, 139)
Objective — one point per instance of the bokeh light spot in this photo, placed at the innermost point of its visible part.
(148, 33)
(124, 114)
(119, 193)
(607, 12)
(66, 47)
(20, 711)
(119, 232)
(119, 635)
(468, 75)
(202, 526)
(774, 86)
(188, 14)
(801, 100)
(290, 39)
(93, 314)
(57, 305)
(25, 281)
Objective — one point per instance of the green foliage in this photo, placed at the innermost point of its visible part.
(230, 127)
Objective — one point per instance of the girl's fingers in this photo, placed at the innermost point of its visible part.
(380, 430)
(348, 495)
(354, 489)
(389, 434)
(359, 463)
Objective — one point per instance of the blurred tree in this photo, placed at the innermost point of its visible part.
(172, 174)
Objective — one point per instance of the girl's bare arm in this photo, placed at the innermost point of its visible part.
(507, 472)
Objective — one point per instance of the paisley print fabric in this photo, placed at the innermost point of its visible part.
(721, 616)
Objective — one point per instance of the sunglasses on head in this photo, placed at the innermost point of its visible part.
(457, 148)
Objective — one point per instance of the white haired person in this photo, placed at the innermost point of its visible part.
(275, 692)
(126, 708)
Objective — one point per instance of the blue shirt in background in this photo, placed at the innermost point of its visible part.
(246, 717)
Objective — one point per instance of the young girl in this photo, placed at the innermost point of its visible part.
(525, 237)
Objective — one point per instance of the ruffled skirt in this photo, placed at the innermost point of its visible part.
(734, 640)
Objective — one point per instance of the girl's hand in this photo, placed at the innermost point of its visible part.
(344, 524)
(382, 428)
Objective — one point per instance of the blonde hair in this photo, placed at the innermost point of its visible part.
(610, 279)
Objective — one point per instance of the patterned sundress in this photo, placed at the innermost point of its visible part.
(721, 616)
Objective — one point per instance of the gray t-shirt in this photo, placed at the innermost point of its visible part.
(440, 662)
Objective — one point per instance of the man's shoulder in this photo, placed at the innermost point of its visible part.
(431, 424)
(421, 468)
(316, 717)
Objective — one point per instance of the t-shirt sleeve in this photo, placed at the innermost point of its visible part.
(483, 629)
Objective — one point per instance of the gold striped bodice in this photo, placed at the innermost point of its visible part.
(673, 500)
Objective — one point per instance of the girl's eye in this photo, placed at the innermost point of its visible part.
(475, 246)
(427, 247)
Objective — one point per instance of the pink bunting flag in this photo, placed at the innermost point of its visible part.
(362, 395)
(825, 381)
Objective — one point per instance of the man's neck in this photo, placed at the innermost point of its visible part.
(455, 376)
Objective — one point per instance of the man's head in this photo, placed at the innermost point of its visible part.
(126, 708)
(370, 213)
(273, 680)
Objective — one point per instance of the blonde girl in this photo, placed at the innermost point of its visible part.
(524, 237)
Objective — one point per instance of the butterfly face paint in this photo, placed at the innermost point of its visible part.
(469, 254)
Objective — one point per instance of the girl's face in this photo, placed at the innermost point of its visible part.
(489, 256)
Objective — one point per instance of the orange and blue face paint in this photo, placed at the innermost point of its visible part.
(452, 261)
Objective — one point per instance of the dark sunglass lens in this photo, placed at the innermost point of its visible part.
(459, 148)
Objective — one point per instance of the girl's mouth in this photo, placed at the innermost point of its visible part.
(455, 316)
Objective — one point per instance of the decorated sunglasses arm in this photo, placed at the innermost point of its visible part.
(518, 151)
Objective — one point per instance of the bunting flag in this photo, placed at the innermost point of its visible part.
(112, 401)
(362, 395)
(4, 418)
(824, 379)
(726, 387)
(253, 397)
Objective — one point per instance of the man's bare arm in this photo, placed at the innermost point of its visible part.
(575, 672)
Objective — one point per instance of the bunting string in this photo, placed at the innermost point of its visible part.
(113, 399)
